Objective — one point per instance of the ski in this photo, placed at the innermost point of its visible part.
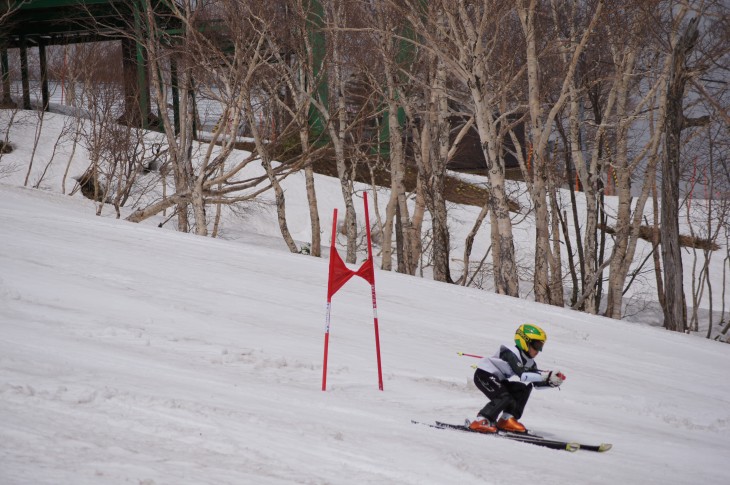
(528, 437)
(597, 448)
(522, 438)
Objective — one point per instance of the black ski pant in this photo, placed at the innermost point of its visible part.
(507, 396)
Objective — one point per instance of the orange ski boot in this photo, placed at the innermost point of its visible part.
(482, 426)
(511, 425)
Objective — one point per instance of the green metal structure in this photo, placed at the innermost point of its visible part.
(318, 41)
(40, 23)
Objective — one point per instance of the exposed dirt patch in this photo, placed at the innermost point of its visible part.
(456, 190)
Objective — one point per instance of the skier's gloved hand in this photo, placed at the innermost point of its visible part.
(555, 378)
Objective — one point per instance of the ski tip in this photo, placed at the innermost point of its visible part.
(599, 448)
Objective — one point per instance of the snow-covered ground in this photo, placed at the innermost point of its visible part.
(132, 354)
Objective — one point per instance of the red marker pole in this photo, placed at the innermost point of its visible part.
(329, 306)
(372, 288)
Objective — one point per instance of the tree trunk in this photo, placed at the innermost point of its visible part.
(263, 149)
(198, 203)
(620, 258)
(628, 226)
(675, 309)
(656, 250)
(538, 193)
(506, 281)
(541, 125)
(438, 158)
(556, 263)
(405, 232)
(338, 129)
(469, 243)
(316, 247)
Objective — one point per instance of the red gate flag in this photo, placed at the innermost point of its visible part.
(339, 274)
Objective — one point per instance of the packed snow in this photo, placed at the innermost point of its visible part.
(134, 354)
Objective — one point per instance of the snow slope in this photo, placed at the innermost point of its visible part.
(130, 354)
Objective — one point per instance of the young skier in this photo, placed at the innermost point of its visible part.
(506, 396)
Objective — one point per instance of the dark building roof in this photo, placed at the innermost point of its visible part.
(469, 154)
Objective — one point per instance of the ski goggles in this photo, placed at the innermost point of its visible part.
(537, 345)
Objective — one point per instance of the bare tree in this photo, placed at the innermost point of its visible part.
(291, 45)
(390, 27)
(468, 37)
(604, 84)
(541, 124)
(432, 157)
(225, 67)
(9, 7)
(40, 117)
(641, 102)
(119, 151)
(67, 131)
(9, 117)
(331, 104)
(675, 309)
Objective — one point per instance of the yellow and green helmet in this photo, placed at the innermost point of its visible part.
(530, 335)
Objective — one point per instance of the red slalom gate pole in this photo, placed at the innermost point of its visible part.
(327, 319)
(372, 288)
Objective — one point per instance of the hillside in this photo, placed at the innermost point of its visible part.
(130, 354)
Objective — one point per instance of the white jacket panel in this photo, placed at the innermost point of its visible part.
(526, 368)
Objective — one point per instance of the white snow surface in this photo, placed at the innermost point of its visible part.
(132, 354)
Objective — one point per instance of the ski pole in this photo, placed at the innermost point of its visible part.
(463, 354)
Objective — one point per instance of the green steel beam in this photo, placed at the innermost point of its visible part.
(68, 18)
(175, 94)
(142, 87)
(36, 4)
(319, 48)
(24, 74)
(50, 22)
(45, 97)
(4, 68)
(406, 54)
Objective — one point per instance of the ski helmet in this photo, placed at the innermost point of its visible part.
(528, 334)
